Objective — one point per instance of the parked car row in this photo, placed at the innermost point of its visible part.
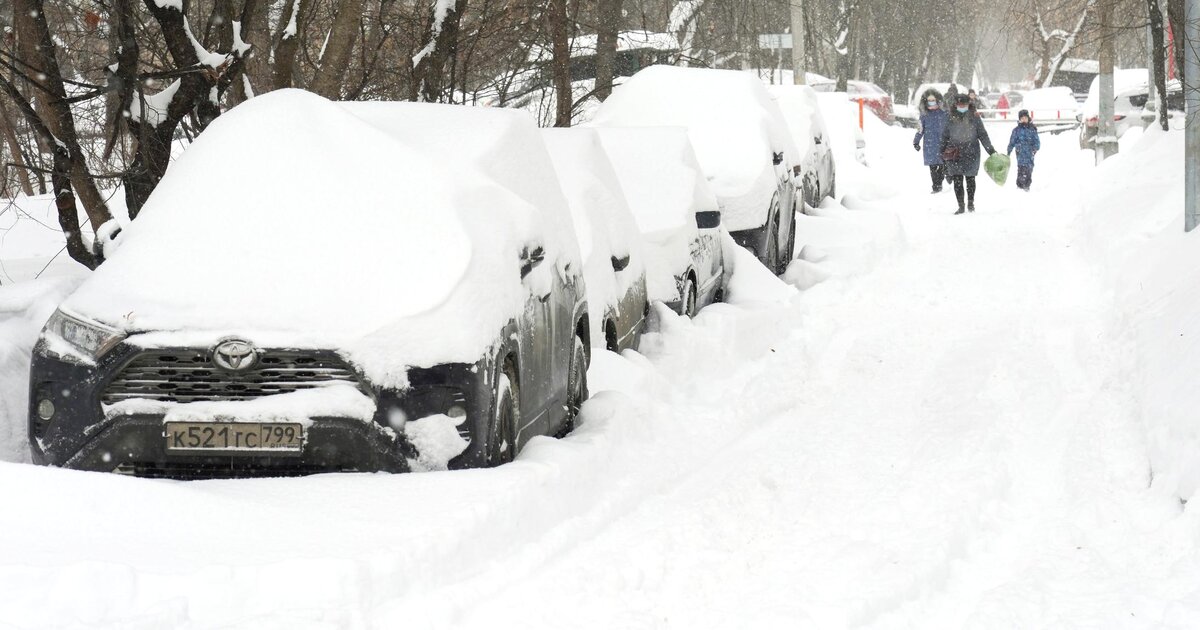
(1131, 94)
(318, 286)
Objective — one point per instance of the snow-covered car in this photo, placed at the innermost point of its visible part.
(318, 286)
(740, 138)
(802, 111)
(1126, 83)
(614, 258)
(676, 212)
(1131, 92)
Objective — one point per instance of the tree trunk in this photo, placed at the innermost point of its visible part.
(1178, 35)
(429, 64)
(1158, 55)
(14, 147)
(342, 37)
(608, 29)
(56, 115)
(560, 63)
(284, 72)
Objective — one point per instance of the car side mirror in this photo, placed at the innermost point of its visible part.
(531, 258)
(777, 158)
(620, 263)
(708, 220)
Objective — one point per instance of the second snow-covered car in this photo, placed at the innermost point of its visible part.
(676, 213)
(801, 108)
(614, 258)
(740, 139)
(319, 287)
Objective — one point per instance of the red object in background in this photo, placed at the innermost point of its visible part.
(1171, 70)
(91, 19)
(1002, 104)
(873, 97)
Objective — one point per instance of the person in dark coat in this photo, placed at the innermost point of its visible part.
(960, 149)
(1027, 143)
(933, 121)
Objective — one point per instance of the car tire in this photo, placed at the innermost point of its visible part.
(501, 444)
(577, 389)
(772, 258)
(790, 251)
(687, 305)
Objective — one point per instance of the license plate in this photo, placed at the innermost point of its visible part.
(235, 437)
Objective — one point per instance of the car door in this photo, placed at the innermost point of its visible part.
(537, 343)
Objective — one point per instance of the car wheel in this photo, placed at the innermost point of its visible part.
(772, 261)
(790, 251)
(506, 412)
(687, 306)
(577, 389)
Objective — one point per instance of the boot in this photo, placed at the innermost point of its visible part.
(960, 209)
(971, 207)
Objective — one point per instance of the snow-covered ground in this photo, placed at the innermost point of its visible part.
(977, 421)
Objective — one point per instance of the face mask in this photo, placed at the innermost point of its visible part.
(932, 104)
(962, 110)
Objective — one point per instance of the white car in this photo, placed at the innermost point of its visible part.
(740, 138)
(676, 212)
(1128, 85)
(614, 257)
(801, 108)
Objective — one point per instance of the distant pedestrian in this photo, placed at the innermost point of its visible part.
(933, 122)
(961, 138)
(1027, 143)
(1002, 105)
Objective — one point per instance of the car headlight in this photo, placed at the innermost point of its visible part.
(90, 339)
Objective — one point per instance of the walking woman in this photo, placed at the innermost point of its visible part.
(933, 122)
(960, 149)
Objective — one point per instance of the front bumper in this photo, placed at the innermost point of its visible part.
(137, 445)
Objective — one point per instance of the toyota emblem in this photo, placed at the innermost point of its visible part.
(235, 355)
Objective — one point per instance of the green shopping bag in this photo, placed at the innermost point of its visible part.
(997, 166)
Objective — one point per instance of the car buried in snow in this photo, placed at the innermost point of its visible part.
(676, 212)
(801, 108)
(614, 257)
(740, 138)
(318, 286)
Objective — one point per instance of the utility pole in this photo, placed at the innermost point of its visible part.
(798, 67)
(1106, 133)
(1191, 77)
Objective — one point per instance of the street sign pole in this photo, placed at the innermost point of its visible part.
(798, 67)
(1191, 75)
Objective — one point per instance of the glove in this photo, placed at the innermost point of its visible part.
(917, 145)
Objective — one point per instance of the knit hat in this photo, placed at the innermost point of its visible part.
(962, 99)
(1024, 113)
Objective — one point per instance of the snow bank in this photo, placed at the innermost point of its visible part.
(665, 188)
(604, 223)
(1133, 220)
(732, 121)
(24, 309)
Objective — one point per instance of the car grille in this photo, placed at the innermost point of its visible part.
(185, 471)
(190, 375)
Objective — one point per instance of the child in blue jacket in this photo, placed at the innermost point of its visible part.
(1027, 143)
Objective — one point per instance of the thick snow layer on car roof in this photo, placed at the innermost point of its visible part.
(732, 121)
(665, 188)
(603, 219)
(502, 143)
(1125, 81)
(285, 214)
(800, 109)
(661, 176)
